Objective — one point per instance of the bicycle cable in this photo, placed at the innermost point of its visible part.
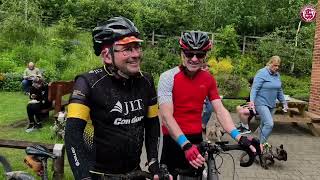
(218, 167)
(234, 164)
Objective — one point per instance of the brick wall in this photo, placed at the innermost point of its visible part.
(314, 101)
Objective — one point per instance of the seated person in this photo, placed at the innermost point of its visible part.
(38, 101)
(245, 115)
(29, 74)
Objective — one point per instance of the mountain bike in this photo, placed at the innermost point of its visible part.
(37, 157)
(210, 151)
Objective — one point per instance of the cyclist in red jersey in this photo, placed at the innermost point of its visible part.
(181, 93)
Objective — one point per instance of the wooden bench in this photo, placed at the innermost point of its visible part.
(56, 149)
(56, 91)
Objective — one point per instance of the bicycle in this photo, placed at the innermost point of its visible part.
(136, 174)
(208, 150)
(37, 157)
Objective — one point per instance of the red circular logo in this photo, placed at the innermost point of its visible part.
(308, 13)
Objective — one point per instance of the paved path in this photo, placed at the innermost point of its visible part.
(303, 157)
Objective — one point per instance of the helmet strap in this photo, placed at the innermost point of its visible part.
(114, 69)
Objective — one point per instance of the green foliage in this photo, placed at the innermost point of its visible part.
(227, 44)
(297, 88)
(246, 66)
(296, 60)
(229, 85)
(161, 58)
(11, 82)
(223, 66)
(15, 29)
(6, 65)
(56, 34)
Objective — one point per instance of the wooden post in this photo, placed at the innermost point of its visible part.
(58, 100)
(244, 44)
(58, 164)
(152, 38)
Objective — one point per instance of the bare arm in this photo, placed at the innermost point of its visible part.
(166, 114)
(223, 116)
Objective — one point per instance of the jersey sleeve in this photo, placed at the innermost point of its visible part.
(165, 87)
(78, 104)
(213, 90)
(152, 124)
(78, 115)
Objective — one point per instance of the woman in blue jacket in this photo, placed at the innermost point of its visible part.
(266, 89)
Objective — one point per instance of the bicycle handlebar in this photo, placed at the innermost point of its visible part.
(219, 147)
(140, 174)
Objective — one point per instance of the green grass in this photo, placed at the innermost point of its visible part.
(12, 107)
(13, 112)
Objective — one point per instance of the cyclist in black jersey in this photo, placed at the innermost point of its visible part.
(121, 102)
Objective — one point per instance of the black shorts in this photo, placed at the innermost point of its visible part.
(173, 155)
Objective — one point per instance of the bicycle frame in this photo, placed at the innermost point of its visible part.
(211, 150)
(212, 172)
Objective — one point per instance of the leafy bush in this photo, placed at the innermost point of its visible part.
(296, 87)
(15, 29)
(11, 82)
(6, 66)
(246, 66)
(296, 60)
(227, 42)
(223, 66)
(229, 85)
(164, 56)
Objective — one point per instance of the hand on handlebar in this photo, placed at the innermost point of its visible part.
(193, 155)
(163, 173)
(251, 143)
(159, 172)
(252, 147)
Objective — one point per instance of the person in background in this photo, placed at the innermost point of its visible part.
(38, 101)
(245, 113)
(29, 74)
(266, 89)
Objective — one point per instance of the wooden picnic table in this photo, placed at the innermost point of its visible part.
(297, 114)
(296, 106)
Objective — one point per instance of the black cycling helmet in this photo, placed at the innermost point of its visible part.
(195, 40)
(113, 30)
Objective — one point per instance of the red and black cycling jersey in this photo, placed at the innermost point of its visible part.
(187, 96)
(121, 111)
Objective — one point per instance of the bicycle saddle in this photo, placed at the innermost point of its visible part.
(39, 151)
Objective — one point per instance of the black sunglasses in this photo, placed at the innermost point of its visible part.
(199, 55)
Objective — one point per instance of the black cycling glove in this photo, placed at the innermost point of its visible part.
(245, 143)
(154, 166)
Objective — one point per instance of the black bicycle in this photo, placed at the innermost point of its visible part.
(37, 157)
(137, 174)
(210, 151)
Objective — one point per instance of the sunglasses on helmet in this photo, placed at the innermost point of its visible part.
(199, 55)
